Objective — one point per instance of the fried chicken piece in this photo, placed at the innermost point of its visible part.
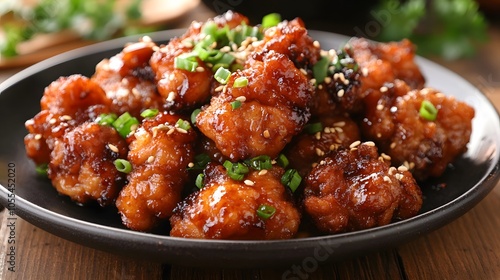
(274, 108)
(354, 189)
(72, 95)
(291, 39)
(424, 146)
(128, 80)
(159, 153)
(307, 149)
(227, 209)
(81, 163)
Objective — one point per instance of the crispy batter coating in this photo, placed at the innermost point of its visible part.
(81, 164)
(352, 189)
(72, 95)
(227, 209)
(426, 147)
(128, 80)
(307, 149)
(159, 153)
(274, 107)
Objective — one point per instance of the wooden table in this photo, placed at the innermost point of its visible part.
(467, 248)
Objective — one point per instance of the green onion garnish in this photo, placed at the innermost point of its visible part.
(200, 162)
(291, 179)
(42, 169)
(222, 75)
(125, 124)
(265, 211)
(240, 82)
(282, 161)
(312, 128)
(271, 20)
(185, 63)
(236, 171)
(106, 119)
(194, 114)
(149, 113)
(199, 180)
(235, 104)
(320, 69)
(428, 111)
(183, 124)
(260, 162)
(123, 165)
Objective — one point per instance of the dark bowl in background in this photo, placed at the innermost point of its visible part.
(335, 16)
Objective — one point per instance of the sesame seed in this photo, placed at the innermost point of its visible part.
(399, 176)
(328, 80)
(241, 98)
(29, 122)
(146, 39)
(249, 182)
(380, 107)
(266, 134)
(187, 44)
(392, 170)
(136, 92)
(332, 52)
(317, 135)
(383, 89)
(338, 129)
(364, 71)
(327, 130)
(151, 159)
(346, 82)
(181, 130)
(393, 145)
(66, 118)
(170, 131)
(171, 96)
(333, 147)
(319, 152)
(322, 162)
(379, 134)
(124, 82)
(340, 93)
(219, 88)
(370, 143)
(38, 136)
(312, 81)
(354, 144)
(190, 165)
(303, 71)
(200, 69)
(314, 164)
(339, 124)
(387, 179)
(262, 172)
(316, 44)
(320, 86)
(385, 156)
(52, 121)
(225, 49)
(402, 168)
(113, 148)
(156, 48)
(336, 76)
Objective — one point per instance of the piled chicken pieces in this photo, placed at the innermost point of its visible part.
(234, 131)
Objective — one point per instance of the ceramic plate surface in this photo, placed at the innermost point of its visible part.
(469, 180)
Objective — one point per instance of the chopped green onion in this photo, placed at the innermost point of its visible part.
(271, 20)
(150, 113)
(183, 124)
(123, 165)
(240, 82)
(125, 124)
(260, 162)
(200, 162)
(428, 111)
(320, 69)
(282, 161)
(210, 28)
(236, 66)
(291, 179)
(235, 104)
(222, 75)
(42, 169)
(200, 180)
(194, 114)
(106, 119)
(265, 211)
(236, 171)
(312, 128)
(185, 63)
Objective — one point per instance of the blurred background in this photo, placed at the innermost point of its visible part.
(32, 30)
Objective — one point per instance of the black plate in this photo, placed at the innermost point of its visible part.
(467, 182)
